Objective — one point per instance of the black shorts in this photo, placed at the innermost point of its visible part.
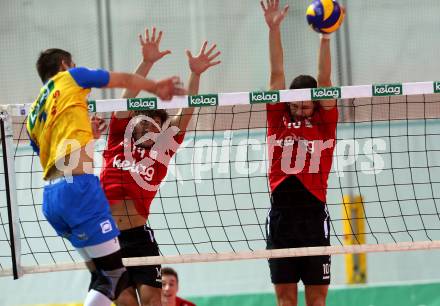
(140, 242)
(298, 219)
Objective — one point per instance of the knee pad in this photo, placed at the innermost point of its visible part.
(110, 277)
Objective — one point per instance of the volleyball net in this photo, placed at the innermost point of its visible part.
(213, 204)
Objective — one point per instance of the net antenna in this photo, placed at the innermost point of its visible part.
(214, 202)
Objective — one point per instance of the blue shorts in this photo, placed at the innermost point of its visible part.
(79, 211)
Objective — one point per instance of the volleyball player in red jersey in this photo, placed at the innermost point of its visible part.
(139, 147)
(301, 140)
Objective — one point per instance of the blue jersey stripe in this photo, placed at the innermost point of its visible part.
(90, 78)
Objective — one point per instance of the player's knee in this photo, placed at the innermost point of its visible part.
(316, 295)
(286, 300)
(111, 277)
(317, 301)
(286, 295)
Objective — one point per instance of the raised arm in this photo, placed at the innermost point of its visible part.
(325, 67)
(150, 54)
(325, 70)
(198, 65)
(274, 16)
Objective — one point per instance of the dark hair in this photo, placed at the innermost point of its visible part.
(303, 81)
(162, 114)
(169, 271)
(49, 62)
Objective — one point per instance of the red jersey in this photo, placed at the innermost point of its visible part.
(133, 172)
(303, 148)
(182, 302)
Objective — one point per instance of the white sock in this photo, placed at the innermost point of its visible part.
(96, 298)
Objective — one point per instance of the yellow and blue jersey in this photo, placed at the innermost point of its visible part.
(58, 121)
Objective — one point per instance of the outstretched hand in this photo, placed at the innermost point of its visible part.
(272, 12)
(150, 46)
(204, 60)
(167, 88)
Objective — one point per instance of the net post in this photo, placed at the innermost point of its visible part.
(354, 234)
(11, 191)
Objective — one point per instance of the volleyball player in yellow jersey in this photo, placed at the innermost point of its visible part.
(60, 131)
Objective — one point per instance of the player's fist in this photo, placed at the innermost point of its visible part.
(167, 88)
(98, 126)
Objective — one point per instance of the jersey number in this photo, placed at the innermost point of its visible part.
(326, 268)
(42, 98)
